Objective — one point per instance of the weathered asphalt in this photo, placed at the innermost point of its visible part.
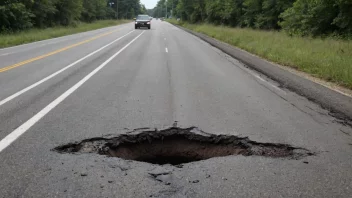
(338, 104)
(148, 86)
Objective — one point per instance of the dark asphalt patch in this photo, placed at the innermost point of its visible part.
(178, 146)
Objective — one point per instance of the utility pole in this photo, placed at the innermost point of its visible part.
(166, 8)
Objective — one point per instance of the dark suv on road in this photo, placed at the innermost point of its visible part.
(142, 21)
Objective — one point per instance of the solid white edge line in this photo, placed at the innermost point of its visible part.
(167, 51)
(10, 138)
(2, 102)
(260, 78)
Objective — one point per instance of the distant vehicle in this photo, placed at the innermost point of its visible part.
(142, 21)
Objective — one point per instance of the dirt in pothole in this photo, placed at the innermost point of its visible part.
(176, 146)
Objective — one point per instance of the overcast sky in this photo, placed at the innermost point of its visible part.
(149, 4)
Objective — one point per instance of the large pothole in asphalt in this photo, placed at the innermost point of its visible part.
(176, 146)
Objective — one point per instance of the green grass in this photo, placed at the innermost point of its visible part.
(328, 59)
(32, 35)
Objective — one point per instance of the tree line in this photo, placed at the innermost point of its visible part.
(297, 17)
(24, 14)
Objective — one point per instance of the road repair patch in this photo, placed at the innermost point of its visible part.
(178, 146)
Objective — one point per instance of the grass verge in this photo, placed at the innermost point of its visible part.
(328, 59)
(32, 35)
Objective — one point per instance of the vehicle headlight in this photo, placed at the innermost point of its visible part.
(136, 22)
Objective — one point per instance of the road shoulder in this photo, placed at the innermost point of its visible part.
(339, 104)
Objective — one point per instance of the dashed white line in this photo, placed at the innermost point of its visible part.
(56, 73)
(167, 51)
(260, 78)
(5, 54)
(13, 136)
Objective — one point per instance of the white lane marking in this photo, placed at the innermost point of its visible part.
(9, 139)
(2, 102)
(5, 54)
(54, 42)
(260, 78)
(167, 51)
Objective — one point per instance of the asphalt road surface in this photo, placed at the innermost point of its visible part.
(114, 80)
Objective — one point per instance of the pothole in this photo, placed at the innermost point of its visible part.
(177, 146)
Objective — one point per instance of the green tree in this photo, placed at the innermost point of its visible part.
(271, 10)
(110, 13)
(89, 11)
(252, 8)
(310, 17)
(101, 6)
(44, 11)
(237, 13)
(192, 10)
(143, 10)
(151, 12)
(125, 8)
(15, 16)
(344, 17)
(68, 11)
(223, 11)
(131, 14)
(160, 9)
(93, 10)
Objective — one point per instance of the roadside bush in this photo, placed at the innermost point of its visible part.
(17, 15)
(14, 17)
(296, 17)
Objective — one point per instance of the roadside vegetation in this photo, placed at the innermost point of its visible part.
(24, 21)
(37, 34)
(317, 18)
(313, 36)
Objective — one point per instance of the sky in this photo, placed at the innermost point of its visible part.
(149, 4)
